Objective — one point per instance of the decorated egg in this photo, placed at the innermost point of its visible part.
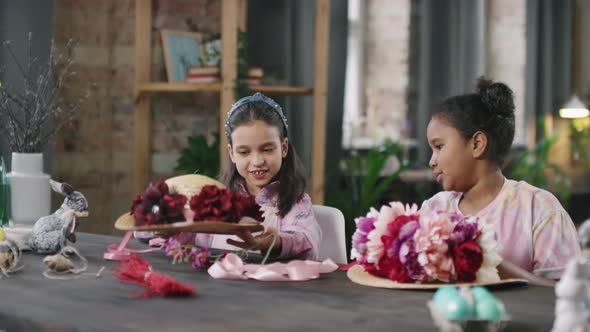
(443, 294)
(480, 292)
(456, 308)
(489, 308)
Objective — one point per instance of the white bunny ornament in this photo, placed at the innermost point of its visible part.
(572, 306)
(51, 233)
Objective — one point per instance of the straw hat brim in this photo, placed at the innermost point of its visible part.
(358, 275)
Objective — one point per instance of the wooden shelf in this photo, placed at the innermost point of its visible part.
(282, 90)
(177, 87)
(276, 90)
(233, 13)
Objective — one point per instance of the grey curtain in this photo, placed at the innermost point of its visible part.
(447, 54)
(548, 70)
(281, 37)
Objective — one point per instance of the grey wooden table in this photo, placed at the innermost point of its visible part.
(30, 302)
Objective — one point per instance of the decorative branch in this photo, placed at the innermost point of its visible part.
(25, 116)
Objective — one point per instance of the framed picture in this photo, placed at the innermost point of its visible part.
(182, 49)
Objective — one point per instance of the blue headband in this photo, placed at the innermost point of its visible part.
(254, 98)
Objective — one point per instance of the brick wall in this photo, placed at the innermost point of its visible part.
(94, 153)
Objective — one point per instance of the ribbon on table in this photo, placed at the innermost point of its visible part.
(118, 251)
(233, 268)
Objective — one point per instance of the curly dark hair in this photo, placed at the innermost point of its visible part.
(489, 110)
(291, 175)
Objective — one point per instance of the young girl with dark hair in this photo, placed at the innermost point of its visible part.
(470, 136)
(263, 163)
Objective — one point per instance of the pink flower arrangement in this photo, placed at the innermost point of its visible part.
(408, 245)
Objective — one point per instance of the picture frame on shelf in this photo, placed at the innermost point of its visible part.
(182, 49)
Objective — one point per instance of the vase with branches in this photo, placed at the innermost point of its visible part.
(32, 110)
(25, 115)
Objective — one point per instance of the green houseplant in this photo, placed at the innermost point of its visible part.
(362, 182)
(199, 156)
(533, 166)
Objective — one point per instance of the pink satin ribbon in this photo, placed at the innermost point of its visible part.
(233, 268)
(118, 251)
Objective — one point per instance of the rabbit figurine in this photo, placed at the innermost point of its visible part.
(51, 233)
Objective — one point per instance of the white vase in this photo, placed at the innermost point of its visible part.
(30, 195)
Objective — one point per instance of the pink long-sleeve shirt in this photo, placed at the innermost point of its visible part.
(299, 230)
(535, 232)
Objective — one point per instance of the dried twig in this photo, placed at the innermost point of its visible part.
(25, 116)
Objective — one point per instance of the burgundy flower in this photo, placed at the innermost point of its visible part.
(157, 206)
(249, 206)
(173, 206)
(213, 203)
(209, 204)
(392, 268)
(462, 232)
(139, 210)
(467, 258)
(409, 258)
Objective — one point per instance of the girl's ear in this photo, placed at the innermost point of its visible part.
(285, 147)
(230, 152)
(479, 144)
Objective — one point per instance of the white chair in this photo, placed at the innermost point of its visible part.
(331, 222)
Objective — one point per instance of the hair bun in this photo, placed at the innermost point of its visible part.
(497, 97)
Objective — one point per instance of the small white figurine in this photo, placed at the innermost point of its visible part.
(572, 291)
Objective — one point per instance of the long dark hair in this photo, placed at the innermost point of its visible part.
(291, 175)
(490, 110)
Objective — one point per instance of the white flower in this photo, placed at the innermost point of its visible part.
(488, 271)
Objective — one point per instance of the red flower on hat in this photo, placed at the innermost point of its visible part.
(213, 203)
(468, 258)
(157, 206)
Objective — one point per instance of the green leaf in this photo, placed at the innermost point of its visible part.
(199, 157)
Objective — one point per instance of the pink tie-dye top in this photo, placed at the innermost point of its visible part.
(299, 230)
(535, 232)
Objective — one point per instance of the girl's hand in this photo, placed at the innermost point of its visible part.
(260, 242)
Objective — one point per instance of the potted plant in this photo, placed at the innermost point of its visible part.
(29, 117)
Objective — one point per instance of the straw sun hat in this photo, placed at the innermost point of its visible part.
(189, 185)
(358, 275)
